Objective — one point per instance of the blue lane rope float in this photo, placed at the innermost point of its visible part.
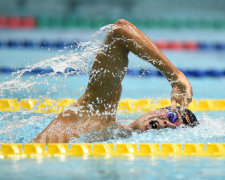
(44, 44)
(130, 72)
(164, 45)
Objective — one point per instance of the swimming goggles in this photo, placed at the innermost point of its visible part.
(154, 124)
(172, 116)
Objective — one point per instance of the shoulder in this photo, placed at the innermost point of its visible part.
(115, 131)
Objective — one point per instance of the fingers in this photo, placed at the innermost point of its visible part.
(182, 107)
(173, 105)
(189, 100)
(183, 104)
(182, 99)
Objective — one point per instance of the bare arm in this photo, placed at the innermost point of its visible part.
(142, 46)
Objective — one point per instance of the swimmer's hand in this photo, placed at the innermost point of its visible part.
(181, 93)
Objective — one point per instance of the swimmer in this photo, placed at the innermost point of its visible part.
(94, 112)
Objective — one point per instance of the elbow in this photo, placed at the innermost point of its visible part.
(121, 22)
(120, 27)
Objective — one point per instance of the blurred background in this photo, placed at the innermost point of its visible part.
(190, 33)
(99, 10)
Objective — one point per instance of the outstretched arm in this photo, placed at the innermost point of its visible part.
(142, 46)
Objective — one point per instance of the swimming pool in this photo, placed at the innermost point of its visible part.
(114, 168)
(21, 127)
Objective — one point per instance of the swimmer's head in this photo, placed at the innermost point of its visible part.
(163, 118)
(188, 117)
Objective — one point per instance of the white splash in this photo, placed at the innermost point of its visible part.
(210, 130)
(23, 126)
(79, 58)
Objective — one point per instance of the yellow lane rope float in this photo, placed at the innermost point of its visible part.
(19, 151)
(126, 106)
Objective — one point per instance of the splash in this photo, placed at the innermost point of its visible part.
(23, 126)
(210, 130)
(80, 58)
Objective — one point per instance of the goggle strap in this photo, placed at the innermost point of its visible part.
(187, 118)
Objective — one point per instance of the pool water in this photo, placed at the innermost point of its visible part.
(21, 127)
(114, 168)
(58, 87)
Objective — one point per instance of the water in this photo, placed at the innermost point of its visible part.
(80, 57)
(64, 85)
(21, 127)
(114, 168)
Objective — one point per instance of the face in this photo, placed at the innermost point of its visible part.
(156, 119)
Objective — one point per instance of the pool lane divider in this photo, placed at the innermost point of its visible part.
(126, 106)
(19, 151)
(130, 72)
(17, 22)
(162, 44)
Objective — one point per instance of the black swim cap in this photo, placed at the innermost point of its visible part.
(191, 120)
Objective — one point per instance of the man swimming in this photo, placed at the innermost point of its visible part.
(95, 110)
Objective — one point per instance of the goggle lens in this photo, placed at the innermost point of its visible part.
(172, 116)
(154, 124)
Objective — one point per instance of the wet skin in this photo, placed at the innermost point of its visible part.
(96, 109)
(159, 116)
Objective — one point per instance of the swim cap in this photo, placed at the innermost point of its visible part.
(188, 118)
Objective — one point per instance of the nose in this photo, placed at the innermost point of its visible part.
(165, 123)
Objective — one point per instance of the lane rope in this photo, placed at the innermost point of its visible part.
(19, 151)
(130, 72)
(162, 44)
(16, 22)
(126, 106)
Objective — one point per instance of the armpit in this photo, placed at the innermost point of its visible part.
(113, 132)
